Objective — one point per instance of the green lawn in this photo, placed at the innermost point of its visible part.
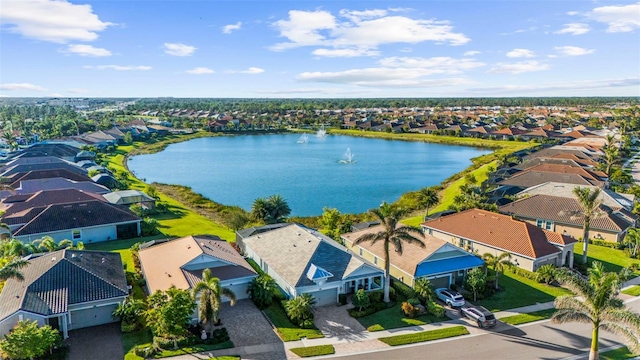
(314, 350)
(193, 349)
(617, 354)
(613, 259)
(520, 291)
(527, 318)
(131, 340)
(393, 318)
(425, 336)
(633, 291)
(285, 328)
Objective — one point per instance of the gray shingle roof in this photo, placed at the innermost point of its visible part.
(530, 178)
(562, 210)
(53, 281)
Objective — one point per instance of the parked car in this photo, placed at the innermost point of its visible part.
(479, 314)
(450, 297)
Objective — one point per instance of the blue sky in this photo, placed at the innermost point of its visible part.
(319, 49)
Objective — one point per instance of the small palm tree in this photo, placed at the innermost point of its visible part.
(299, 309)
(499, 263)
(12, 270)
(427, 197)
(392, 234)
(595, 303)
(590, 209)
(211, 293)
(261, 290)
(278, 209)
(424, 289)
(46, 244)
(632, 241)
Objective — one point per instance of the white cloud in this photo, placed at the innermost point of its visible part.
(228, 29)
(87, 50)
(623, 18)
(572, 85)
(22, 86)
(572, 13)
(200, 71)
(573, 50)
(345, 52)
(518, 67)
(55, 21)
(406, 50)
(78, 91)
(252, 70)
(574, 29)
(118, 67)
(385, 77)
(177, 49)
(359, 32)
(434, 65)
(521, 53)
(331, 91)
(471, 53)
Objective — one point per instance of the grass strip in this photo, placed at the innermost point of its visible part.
(193, 349)
(633, 291)
(529, 317)
(314, 350)
(285, 328)
(617, 354)
(425, 336)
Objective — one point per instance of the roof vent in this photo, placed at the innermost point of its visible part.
(73, 255)
(104, 260)
(53, 258)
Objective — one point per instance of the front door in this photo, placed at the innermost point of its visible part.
(54, 322)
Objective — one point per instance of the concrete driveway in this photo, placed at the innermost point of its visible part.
(246, 325)
(335, 322)
(102, 342)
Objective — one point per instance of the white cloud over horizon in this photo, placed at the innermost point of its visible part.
(518, 67)
(521, 53)
(574, 29)
(228, 29)
(54, 21)
(177, 49)
(573, 50)
(87, 50)
(623, 18)
(118, 67)
(200, 71)
(21, 86)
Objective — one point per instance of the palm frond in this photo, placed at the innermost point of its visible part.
(568, 315)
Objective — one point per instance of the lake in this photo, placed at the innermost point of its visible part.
(235, 170)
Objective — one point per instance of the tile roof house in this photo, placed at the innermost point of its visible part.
(529, 178)
(67, 289)
(302, 260)
(180, 263)
(440, 262)
(58, 183)
(561, 214)
(15, 179)
(483, 231)
(609, 198)
(13, 204)
(87, 221)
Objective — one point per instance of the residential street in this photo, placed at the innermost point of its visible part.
(537, 341)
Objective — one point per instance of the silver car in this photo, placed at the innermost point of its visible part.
(450, 297)
(482, 316)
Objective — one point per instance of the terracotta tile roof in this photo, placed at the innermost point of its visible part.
(581, 161)
(562, 210)
(53, 281)
(568, 169)
(412, 254)
(500, 232)
(163, 263)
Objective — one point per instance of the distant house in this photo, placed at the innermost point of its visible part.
(440, 262)
(304, 261)
(482, 231)
(86, 221)
(66, 289)
(180, 263)
(561, 214)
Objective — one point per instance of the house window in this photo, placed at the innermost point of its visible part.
(430, 231)
(461, 242)
(460, 273)
(360, 251)
(544, 224)
(548, 225)
(375, 260)
(539, 223)
(76, 234)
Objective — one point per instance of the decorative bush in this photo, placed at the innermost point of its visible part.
(376, 296)
(609, 244)
(435, 309)
(144, 351)
(361, 300)
(125, 327)
(403, 289)
(524, 273)
(546, 274)
(342, 299)
(299, 309)
(409, 310)
(358, 314)
(413, 301)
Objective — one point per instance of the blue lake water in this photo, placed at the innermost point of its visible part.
(236, 170)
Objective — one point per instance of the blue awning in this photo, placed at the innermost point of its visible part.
(448, 265)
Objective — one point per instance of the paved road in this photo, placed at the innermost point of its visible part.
(536, 341)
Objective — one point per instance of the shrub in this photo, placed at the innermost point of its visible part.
(299, 309)
(409, 310)
(376, 296)
(413, 301)
(261, 290)
(609, 244)
(342, 299)
(403, 289)
(435, 309)
(524, 273)
(375, 327)
(546, 274)
(361, 300)
(125, 327)
(144, 351)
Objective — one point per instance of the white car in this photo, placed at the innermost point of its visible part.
(450, 297)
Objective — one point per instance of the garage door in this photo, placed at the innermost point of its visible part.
(440, 282)
(92, 316)
(326, 297)
(240, 290)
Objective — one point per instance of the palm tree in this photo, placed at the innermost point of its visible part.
(260, 209)
(12, 270)
(632, 240)
(211, 294)
(46, 244)
(427, 197)
(299, 309)
(278, 208)
(392, 234)
(596, 303)
(261, 290)
(499, 263)
(590, 205)
(16, 248)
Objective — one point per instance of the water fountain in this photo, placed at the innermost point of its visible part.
(303, 139)
(348, 157)
(322, 132)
